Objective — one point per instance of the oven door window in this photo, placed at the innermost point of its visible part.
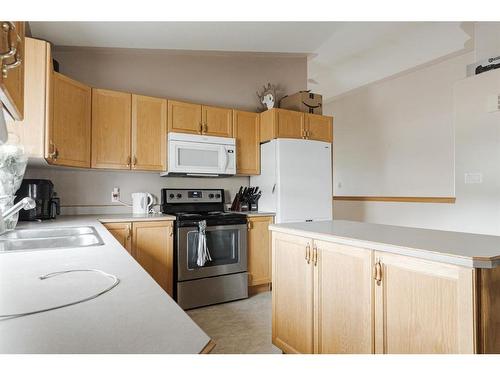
(227, 245)
(222, 245)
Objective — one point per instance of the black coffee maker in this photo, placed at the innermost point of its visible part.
(47, 203)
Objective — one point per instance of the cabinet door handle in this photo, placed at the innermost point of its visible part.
(249, 225)
(308, 134)
(315, 255)
(171, 231)
(129, 233)
(54, 153)
(134, 161)
(201, 127)
(308, 253)
(205, 127)
(9, 28)
(377, 272)
(129, 160)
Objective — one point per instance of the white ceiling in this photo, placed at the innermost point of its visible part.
(342, 55)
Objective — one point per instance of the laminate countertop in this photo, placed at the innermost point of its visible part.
(137, 316)
(464, 249)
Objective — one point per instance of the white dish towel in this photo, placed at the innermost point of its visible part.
(203, 252)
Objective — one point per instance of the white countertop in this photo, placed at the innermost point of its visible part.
(464, 249)
(137, 316)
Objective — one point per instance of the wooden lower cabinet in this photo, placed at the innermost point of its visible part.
(123, 233)
(151, 245)
(333, 298)
(259, 250)
(292, 296)
(343, 292)
(423, 307)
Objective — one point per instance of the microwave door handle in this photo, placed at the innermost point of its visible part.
(227, 159)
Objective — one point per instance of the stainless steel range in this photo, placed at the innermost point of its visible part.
(211, 261)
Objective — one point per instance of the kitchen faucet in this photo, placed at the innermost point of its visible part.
(25, 203)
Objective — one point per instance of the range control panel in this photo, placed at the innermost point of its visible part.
(194, 195)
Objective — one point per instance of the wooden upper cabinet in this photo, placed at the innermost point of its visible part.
(12, 86)
(111, 129)
(290, 124)
(259, 250)
(37, 82)
(123, 234)
(149, 133)
(319, 128)
(184, 117)
(152, 247)
(343, 299)
(246, 130)
(423, 307)
(69, 131)
(217, 121)
(281, 123)
(292, 300)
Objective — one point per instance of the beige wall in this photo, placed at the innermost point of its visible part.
(88, 191)
(224, 79)
(218, 79)
(398, 134)
(462, 122)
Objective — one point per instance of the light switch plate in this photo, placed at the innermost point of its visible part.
(474, 178)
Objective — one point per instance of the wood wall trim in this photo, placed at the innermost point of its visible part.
(394, 199)
(209, 347)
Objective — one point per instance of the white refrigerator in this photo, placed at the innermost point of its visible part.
(296, 180)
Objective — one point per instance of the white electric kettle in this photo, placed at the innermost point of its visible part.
(141, 203)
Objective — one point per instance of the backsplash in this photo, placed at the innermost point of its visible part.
(89, 191)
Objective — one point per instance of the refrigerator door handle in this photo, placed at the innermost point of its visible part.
(274, 188)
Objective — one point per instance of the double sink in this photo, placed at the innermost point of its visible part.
(49, 238)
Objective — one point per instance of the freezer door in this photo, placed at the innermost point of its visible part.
(304, 175)
(266, 181)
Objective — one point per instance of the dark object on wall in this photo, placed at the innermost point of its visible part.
(55, 64)
(481, 69)
(303, 101)
(483, 65)
(47, 203)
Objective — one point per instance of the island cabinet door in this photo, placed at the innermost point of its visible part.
(292, 293)
(343, 288)
(423, 307)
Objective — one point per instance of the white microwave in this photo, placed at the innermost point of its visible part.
(200, 155)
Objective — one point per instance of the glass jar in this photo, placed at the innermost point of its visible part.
(6, 202)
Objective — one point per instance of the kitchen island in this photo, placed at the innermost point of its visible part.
(137, 316)
(352, 287)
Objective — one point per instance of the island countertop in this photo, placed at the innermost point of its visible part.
(137, 316)
(464, 249)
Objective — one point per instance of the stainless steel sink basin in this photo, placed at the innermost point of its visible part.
(49, 238)
(47, 232)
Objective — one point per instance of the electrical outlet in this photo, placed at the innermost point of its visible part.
(115, 195)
